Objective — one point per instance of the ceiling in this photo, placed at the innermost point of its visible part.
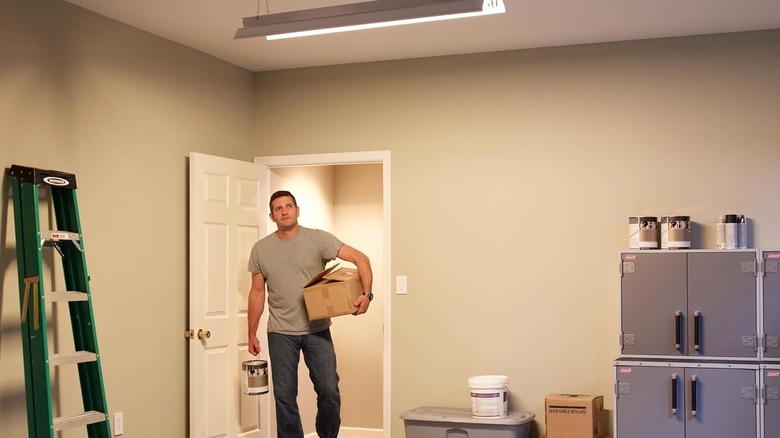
(209, 25)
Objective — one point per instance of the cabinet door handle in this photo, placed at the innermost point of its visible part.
(674, 393)
(763, 394)
(694, 381)
(696, 330)
(678, 330)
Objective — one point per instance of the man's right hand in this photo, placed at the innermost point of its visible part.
(254, 345)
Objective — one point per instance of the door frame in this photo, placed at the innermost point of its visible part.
(367, 157)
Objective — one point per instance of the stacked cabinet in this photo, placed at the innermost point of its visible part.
(686, 400)
(691, 345)
(689, 304)
(770, 359)
(770, 395)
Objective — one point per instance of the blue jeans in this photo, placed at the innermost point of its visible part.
(284, 352)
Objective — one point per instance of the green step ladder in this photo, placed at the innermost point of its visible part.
(67, 240)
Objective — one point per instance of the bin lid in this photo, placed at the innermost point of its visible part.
(461, 415)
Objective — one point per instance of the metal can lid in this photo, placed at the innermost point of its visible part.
(253, 364)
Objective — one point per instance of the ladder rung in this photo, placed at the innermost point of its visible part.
(66, 296)
(52, 237)
(71, 421)
(71, 358)
(59, 235)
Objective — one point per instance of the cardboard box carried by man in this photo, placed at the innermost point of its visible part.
(332, 293)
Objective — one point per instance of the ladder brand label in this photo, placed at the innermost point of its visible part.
(773, 374)
(53, 180)
(629, 257)
(773, 255)
(625, 370)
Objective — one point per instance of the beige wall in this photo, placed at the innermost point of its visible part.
(512, 177)
(121, 109)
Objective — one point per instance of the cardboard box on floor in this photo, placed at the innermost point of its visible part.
(574, 416)
(332, 293)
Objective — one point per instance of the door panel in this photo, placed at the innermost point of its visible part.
(726, 403)
(646, 396)
(226, 218)
(771, 400)
(771, 291)
(653, 290)
(723, 290)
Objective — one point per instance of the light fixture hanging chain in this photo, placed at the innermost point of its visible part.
(267, 8)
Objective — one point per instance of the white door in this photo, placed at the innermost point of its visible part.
(227, 216)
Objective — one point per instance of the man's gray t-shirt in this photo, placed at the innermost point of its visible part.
(287, 266)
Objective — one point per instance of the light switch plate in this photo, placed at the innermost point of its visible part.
(401, 285)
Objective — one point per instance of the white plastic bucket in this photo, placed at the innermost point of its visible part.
(489, 396)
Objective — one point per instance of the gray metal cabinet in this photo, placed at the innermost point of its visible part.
(771, 304)
(686, 399)
(689, 304)
(770, 397)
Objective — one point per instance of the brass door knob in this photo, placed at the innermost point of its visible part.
(202, 334)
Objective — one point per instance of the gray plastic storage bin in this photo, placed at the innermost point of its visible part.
(435, 422)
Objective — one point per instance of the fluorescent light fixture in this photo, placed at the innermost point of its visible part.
(365, 15)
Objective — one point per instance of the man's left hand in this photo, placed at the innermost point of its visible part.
(362, 305)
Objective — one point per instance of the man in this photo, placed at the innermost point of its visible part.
(285, 261)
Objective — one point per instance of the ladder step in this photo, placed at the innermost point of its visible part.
(71, 358)
(52, 237)
(66, 296)
(71, 421)
(59, 235)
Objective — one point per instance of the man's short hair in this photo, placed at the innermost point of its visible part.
(279, 194)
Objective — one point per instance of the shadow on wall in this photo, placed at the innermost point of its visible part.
(533, 430)
(13, 403)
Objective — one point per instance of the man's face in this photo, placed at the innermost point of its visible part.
(284, 213)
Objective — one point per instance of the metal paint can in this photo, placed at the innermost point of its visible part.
(648, 232)
(675, 232)
(633, 232)
(254, 377)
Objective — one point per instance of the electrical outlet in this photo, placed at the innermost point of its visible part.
(119, 424)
